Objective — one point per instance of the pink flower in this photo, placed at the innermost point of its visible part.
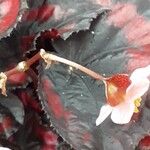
(123, 95)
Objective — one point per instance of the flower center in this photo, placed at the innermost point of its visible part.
(115, 95)
(115, 88)
(137, 103)
(112, 89)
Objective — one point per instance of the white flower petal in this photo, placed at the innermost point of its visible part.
(140, 73)
(137, 89)
(122, 113)
(104, 113)
(4, 148)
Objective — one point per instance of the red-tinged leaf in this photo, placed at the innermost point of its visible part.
(53, 100)
(29, 100)
(44, 13)
(58, 18)
(26, 42)
(45, 38)
(47, 137)
(106, 49)
(132, 17)
(12, 115)
(11, 13)
(25, 137)
(13, 104)
(40, 14)
(33, 135)
(144, 143)
(65, 16)
(10, 56)
(9, 50)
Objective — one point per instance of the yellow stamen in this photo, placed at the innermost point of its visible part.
(137, 104)
(136, 110)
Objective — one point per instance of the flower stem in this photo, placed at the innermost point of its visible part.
(48, 58)
(51, 57)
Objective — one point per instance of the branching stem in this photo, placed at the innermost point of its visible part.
(48, 58)
(55, 58)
